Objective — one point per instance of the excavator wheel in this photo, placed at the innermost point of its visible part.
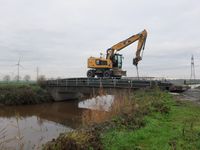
(90, 74)
(107, 74)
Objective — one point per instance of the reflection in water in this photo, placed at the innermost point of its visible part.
(97, 110)
(65, 113)
(28, 133)
(98, 103)
(34, 125)
(30, 126)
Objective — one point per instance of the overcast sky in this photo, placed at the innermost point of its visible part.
(59, 35)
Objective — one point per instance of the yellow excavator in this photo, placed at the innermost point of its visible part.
(111, 65)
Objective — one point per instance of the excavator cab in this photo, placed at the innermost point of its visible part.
(117, 61)
(117, 66)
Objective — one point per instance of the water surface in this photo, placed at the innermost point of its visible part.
(30, 126)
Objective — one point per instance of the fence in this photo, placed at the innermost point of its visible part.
(105, 82)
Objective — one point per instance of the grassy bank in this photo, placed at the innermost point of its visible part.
(154, 120)
(22, 93)
(179, 128)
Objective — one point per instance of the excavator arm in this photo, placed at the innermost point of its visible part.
(141, 37)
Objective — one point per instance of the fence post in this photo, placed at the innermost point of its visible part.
(100, 83)
(88, 81)
(114, 82)
(131, 83)
(76, 82)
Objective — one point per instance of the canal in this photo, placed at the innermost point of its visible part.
(30, 126)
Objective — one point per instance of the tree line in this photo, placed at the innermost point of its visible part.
(8, 78)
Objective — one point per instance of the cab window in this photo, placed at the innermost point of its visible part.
(101, 62)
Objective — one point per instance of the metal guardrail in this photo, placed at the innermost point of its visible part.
(104, 82)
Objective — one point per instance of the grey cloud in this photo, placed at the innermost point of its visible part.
(59, 36)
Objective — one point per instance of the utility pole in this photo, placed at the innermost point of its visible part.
(18, 64)
(18, 73)
(37, 70)
(192, 75)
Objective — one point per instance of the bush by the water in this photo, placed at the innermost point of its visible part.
(17, 94)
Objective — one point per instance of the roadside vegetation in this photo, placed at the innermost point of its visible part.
(21, 93)
(144, 120)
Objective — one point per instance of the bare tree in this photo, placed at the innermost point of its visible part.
(41, 80)
(27, 78)
(17, 78)
(6, 78)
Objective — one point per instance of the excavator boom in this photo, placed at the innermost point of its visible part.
(141, 37)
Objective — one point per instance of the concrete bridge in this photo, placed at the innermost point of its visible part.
(79, 88)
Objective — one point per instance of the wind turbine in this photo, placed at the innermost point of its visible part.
(18, 65)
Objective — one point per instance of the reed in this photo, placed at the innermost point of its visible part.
(122, 104)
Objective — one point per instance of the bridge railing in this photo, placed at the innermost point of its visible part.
(104, 82)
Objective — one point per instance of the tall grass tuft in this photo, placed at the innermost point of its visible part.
(122, 104)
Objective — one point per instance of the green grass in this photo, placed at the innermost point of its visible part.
(179, 128)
